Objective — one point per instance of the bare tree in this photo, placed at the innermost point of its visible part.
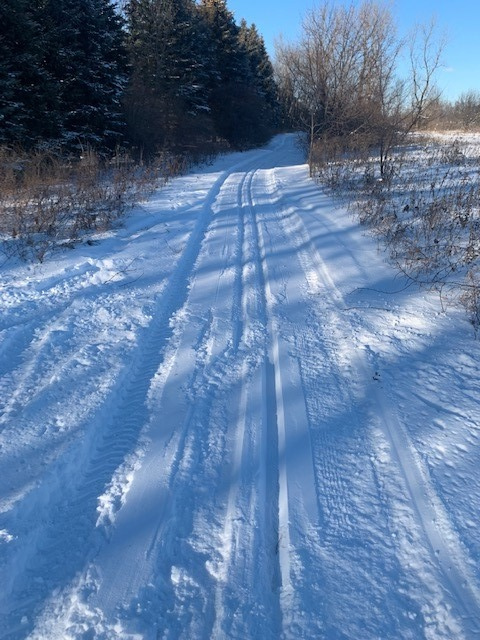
(342, 82)
(329, 73)
(467, 110)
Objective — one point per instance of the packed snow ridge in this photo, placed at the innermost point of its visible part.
(230, 419)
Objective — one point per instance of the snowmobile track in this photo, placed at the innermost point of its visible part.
(67, 519)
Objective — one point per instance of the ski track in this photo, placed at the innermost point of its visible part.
(445, 548)
(241, 472)
(250, 533)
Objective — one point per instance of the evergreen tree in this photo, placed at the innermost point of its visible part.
(27, 93)
(167, 100)
(194, 74)
(263, 76)
(242, 90)
(84, 53)
(230, 95)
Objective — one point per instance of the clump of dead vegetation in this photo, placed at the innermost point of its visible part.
(424, 206)
(49, 201)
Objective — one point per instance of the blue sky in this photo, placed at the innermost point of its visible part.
(460, 19)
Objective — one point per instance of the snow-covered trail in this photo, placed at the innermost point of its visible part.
(216, 425)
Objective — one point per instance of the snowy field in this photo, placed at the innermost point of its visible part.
(230, 419)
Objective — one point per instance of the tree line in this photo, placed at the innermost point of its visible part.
(160, 74)
(460, 114)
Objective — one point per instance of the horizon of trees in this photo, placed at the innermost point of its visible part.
(462, 113)
(161, 74)
(182, 75)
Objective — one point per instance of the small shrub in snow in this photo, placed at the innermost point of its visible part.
(48, 200)
(425, 208)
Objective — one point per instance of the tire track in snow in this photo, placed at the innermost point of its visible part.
(446, 550)
(170, 504)
(195, 604)
(67, 514)
(274, 383)
(190, 604)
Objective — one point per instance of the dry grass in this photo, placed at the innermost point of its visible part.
(48, 201)
(425, 209)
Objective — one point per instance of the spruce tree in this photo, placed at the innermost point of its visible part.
(84, 54)
(167, 99)
(242, 91)
(230, 76)
(263, 77)
(27, 91)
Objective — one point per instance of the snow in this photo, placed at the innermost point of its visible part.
(229, 418)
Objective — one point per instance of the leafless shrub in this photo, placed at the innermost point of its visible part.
(452, 154)
(470, 297)
(336, 160)
(343, 79)
(425, 209)
(48, 200)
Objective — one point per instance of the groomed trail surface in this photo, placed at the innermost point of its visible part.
(228, 419)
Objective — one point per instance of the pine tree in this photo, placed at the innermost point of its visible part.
(167, 100)
(242, 90)
(230, 75)
(263, 75)
(84, 54)
(27, 93)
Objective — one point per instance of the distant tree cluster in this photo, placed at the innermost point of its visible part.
(461, 114)
(173, 74)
